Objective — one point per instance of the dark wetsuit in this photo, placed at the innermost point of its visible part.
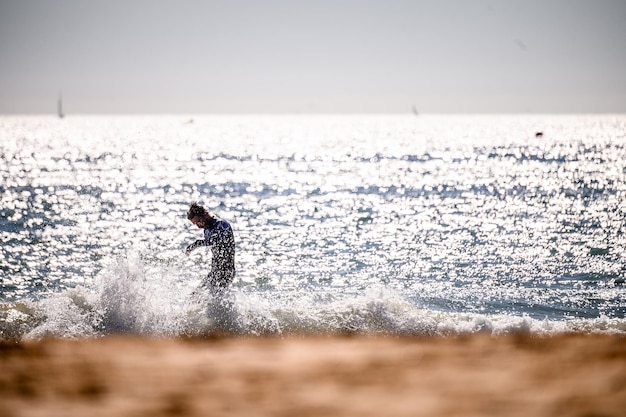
(219, 236)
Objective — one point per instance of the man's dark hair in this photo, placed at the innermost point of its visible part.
(196, 209)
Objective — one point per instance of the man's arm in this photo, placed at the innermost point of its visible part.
(211, 237)
(194, 245)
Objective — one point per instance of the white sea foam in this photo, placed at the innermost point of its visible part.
(132, 298)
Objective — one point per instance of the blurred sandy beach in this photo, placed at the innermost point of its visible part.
(478, 375)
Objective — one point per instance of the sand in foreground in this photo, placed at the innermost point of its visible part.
(574, 375)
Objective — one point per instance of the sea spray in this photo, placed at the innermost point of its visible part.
(70, 314)
(133, 296)
(137, 299)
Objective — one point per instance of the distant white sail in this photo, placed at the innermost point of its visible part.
(60, 106)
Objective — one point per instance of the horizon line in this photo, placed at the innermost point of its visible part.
(299, 113)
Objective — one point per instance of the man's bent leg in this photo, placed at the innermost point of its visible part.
(218, 281)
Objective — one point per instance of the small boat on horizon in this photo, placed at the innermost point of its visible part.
(60, 107)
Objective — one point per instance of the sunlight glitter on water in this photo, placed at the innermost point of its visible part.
(462, 214)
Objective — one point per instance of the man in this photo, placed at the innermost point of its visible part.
(219, 236)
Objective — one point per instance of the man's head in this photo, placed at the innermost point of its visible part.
(198, 215)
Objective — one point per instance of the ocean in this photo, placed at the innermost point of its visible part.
(429, 225)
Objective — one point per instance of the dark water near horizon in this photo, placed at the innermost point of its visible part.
(429, 225)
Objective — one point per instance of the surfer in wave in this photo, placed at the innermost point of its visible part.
(218, 234)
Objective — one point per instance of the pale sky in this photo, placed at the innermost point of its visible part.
(318, 56)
